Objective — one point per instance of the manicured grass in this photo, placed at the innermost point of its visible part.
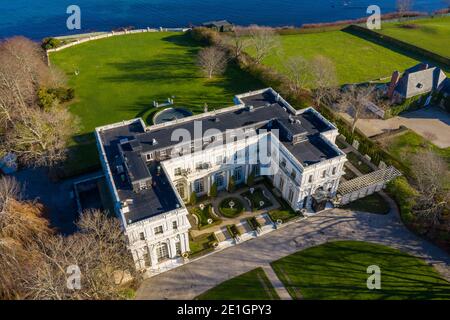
(373, 203)
(338, 270)
(282, 214)
(227, 211)
(356, 59)
(120, 77)
(201, 244)
(358, 163)
(253, 285)
(401, 146)
(430, 34)
(256, 199)
(203, 215)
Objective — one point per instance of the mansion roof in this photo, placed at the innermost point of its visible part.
(300, 133)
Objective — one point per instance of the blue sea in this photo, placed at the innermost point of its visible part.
(37, 19)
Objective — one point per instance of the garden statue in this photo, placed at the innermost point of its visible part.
(231, 204)
(261, 203)
(201, 206)
(252, 190)
(210, 221)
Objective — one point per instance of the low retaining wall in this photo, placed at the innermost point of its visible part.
(114, 34)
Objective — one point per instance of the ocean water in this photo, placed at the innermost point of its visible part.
(40, 18)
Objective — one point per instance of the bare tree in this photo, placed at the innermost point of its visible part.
(212, 61)
(354, 100)
(298, 73)
(100, 252)
(238, 40)
(431, 177)
(37, 136)
(403, 6)
(264, 40)
(325, 81)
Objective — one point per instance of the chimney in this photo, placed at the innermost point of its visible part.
(394, 80)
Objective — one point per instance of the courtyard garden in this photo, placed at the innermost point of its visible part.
(204, 216)
(231, 207)
(257, 199)
(253, 285)
(338, 270)
(431, 34)
(118, 78)
(356, 59)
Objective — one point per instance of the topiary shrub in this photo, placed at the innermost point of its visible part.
(193, 198)
(251, 179)
(213, 190)
(231, 184)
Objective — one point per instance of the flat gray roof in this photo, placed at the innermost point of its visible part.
(267, 113)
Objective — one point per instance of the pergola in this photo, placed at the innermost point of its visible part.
(366, 185)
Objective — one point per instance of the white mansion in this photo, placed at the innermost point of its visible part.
(151, 173)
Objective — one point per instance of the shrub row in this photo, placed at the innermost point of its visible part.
(409, 104)
(404, 195)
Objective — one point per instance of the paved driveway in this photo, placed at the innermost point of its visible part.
(424, 121)
(190, 280)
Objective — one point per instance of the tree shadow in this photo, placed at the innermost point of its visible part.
(395, 48)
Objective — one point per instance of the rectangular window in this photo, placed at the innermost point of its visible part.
(162, 153)
(219, 180)
(146, 258)
(291, 195)
(159, 230)
(178, 248)
(162, 252)
(310, 179)
(334, 170)
(141, 236)
(149, 156)
(175, 225)
(219, 160)
(199, 186)
(178, 171)
(237, 175)
(293, 174)
(283, 163)
(324, 173)
(281, 184)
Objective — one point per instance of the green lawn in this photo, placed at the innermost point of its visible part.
(338, 270)
(256, 199)
(253, 285)
(231, 211)
(431, 34)
(373, 203)
(401, 146)
(120, 77)
(202, 244)
(356, 59)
